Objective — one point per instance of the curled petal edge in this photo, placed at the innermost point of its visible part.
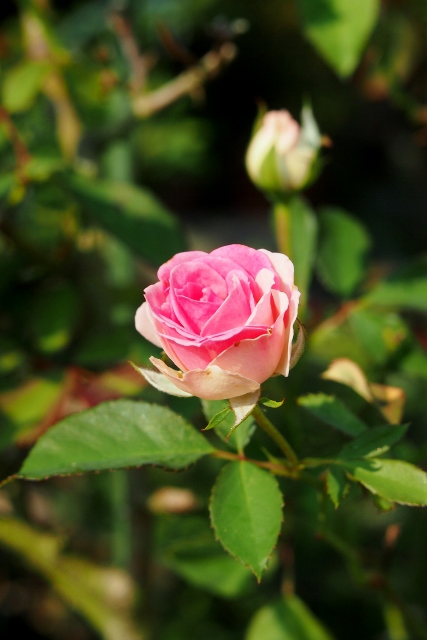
(212, 383)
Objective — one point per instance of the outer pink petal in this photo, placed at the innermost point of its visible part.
(144, 323)
(211, 384)
(283, 267)
(283, 366)
(256, 359)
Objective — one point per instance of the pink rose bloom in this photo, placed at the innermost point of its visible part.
(225, 319)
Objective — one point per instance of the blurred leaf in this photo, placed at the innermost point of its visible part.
(22, 83)
(41, 221)
(367, 337)
(346, 372)
(373, 442)
(26, 406)
(53, 316)
(339, 29)
(104, 596)
(332, 411)
(337, 485)
(246, 513)
(390, 400)
(7, 182)
(11, 355)
(119, 262)
(241, 436)
(415, 363)
(103, 346)
(288, 619)
(393, 480)
(342, 251)
(113, 435)
(41, 167)
(186, 151)
(83, 23)
(406, 289)
(132, 214)
(117, 161)
(296, 229)
(187, 547)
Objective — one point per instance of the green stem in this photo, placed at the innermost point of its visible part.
(269, 428)
(282, 227)
(274, 467)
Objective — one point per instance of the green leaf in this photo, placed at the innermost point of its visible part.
(113, 435)
(53, 316)
(22, 83)
(406, 289)
(103, 595)
(273, 404)
(241, 436)
(216, 420)
(373, 442)
(296, 220)
(187, 546)
(287, 619)
(391, 479)
(339, 29)
(337, 485)
(132, 214)
(332, 411)
(342, 251)
(246, 513)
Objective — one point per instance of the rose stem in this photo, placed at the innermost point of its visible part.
(269, 428)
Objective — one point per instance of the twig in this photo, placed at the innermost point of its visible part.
(186, 83)
(139, 64)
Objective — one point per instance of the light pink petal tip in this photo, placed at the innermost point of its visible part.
(144, 323)
(212, 383)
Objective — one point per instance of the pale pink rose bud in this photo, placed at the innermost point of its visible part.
(282, 156)
(225, 319)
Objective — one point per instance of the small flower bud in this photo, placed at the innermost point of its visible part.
(282, 156)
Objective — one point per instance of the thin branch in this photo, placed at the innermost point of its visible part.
(185, 83)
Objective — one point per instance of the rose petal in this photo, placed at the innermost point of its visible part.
(189, 311)
(235, 309)
(257, 359)
(284, 362)
(211, 384)
(160, 382)
(144, 323)
(250, 259)
(185, 256)
(283, 267)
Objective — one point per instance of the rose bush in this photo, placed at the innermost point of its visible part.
(225, 319)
